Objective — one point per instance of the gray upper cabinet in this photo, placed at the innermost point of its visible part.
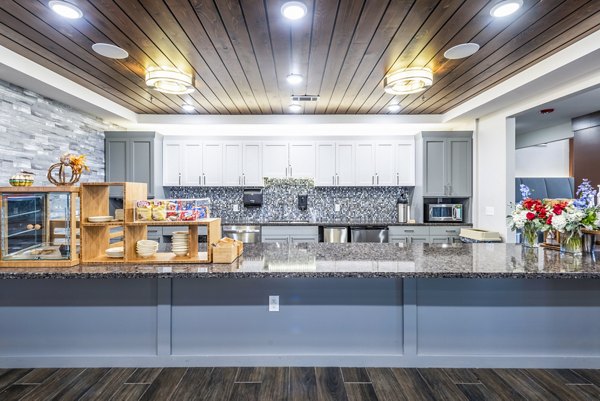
(133, 157)
(448, 160)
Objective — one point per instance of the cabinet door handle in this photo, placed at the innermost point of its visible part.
(243, 179)
(239, 180)
(338, 179)
(372, 180)
(199, 180)
(449, 189)
(333, 179)
(291, 174)
(204, 177)
(179, 179)
(397, 178)
(409, 231)
(286, 172)
(377, 175)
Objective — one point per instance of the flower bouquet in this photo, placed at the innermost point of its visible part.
(570, 217)
(531, 216)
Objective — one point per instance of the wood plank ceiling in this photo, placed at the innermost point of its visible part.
(240, 51)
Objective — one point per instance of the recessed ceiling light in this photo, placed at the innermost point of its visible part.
(294, 79)
(461, 51)
(505, 8)
(394, 108)
(293, 10)
(110, 51)
(64, 9)
(295, 108)
(188, 107)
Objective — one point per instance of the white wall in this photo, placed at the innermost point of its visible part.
(548, 160)
(494, 172)
(550, 134)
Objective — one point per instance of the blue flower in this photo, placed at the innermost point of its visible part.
(525, 191)
(586, 195)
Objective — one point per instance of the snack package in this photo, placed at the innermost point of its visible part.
(159, 211)
(143, 210)
(202, 212)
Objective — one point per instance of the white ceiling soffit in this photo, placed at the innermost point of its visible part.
(25, 73)
(571, 70)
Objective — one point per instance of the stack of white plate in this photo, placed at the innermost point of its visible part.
(146, 248)
(116, 252)
(181, 243)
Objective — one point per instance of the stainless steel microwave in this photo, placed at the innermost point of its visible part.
(445, 212)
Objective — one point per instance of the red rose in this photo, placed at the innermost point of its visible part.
(557, 209)
(530, 216)
(542, 213)
(549, 221)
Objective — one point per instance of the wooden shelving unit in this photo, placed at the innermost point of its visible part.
(97, 237)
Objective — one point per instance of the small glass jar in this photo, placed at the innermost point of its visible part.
(571, 242)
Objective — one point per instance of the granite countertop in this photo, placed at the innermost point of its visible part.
(322, 260)
(340, 223)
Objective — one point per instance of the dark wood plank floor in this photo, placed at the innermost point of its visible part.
(299, 384)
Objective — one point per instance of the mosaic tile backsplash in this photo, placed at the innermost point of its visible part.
(280, 202)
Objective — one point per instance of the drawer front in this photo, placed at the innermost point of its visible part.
(450, 231)
(408, 230)
(168, 230)
(291, 230)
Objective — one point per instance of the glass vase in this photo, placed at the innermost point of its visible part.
(571, 242)
(530, 237)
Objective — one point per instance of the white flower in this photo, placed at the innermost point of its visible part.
(559, 222)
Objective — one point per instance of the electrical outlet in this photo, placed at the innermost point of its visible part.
(337, 207)
(489, 211)
(273, 303)
(236, 208)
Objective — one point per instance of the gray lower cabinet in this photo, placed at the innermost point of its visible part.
(447, 164)
(133, 157)
(424, 234)
(290, 234)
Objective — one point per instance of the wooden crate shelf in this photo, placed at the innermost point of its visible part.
(97, 237)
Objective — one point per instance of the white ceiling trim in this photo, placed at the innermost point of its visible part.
(23, 72)
(538, 80)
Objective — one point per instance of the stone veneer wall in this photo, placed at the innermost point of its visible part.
(280, 202)
(35, 131)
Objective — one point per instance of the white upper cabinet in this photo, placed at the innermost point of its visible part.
(344, 163)
(301, 160)
(325, 174)
(364, 172)
(172, 163)
(251, 164)
(191, 171)
(385, 164)
(232, 164)
(405, 163)
(275, 159)
(212, 164)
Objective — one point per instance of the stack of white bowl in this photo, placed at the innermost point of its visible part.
(146, 248)
(181, 243)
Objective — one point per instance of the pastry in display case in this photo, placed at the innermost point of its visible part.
(39, 226)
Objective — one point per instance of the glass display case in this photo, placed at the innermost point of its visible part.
(39, 226)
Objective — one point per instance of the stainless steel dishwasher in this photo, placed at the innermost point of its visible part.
(335, 234)
(246, 234)
(369, 234)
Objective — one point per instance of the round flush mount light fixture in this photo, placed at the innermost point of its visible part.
(169, 80)
(293, 10)
(295, 108)
(408, 80)
(506, 8)
(65, 9)
(461, 51)
(188, 107)
(394, 108)
(110, 51)
(294, 79)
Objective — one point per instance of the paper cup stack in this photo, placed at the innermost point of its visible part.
(146, 248)
(181, 243)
